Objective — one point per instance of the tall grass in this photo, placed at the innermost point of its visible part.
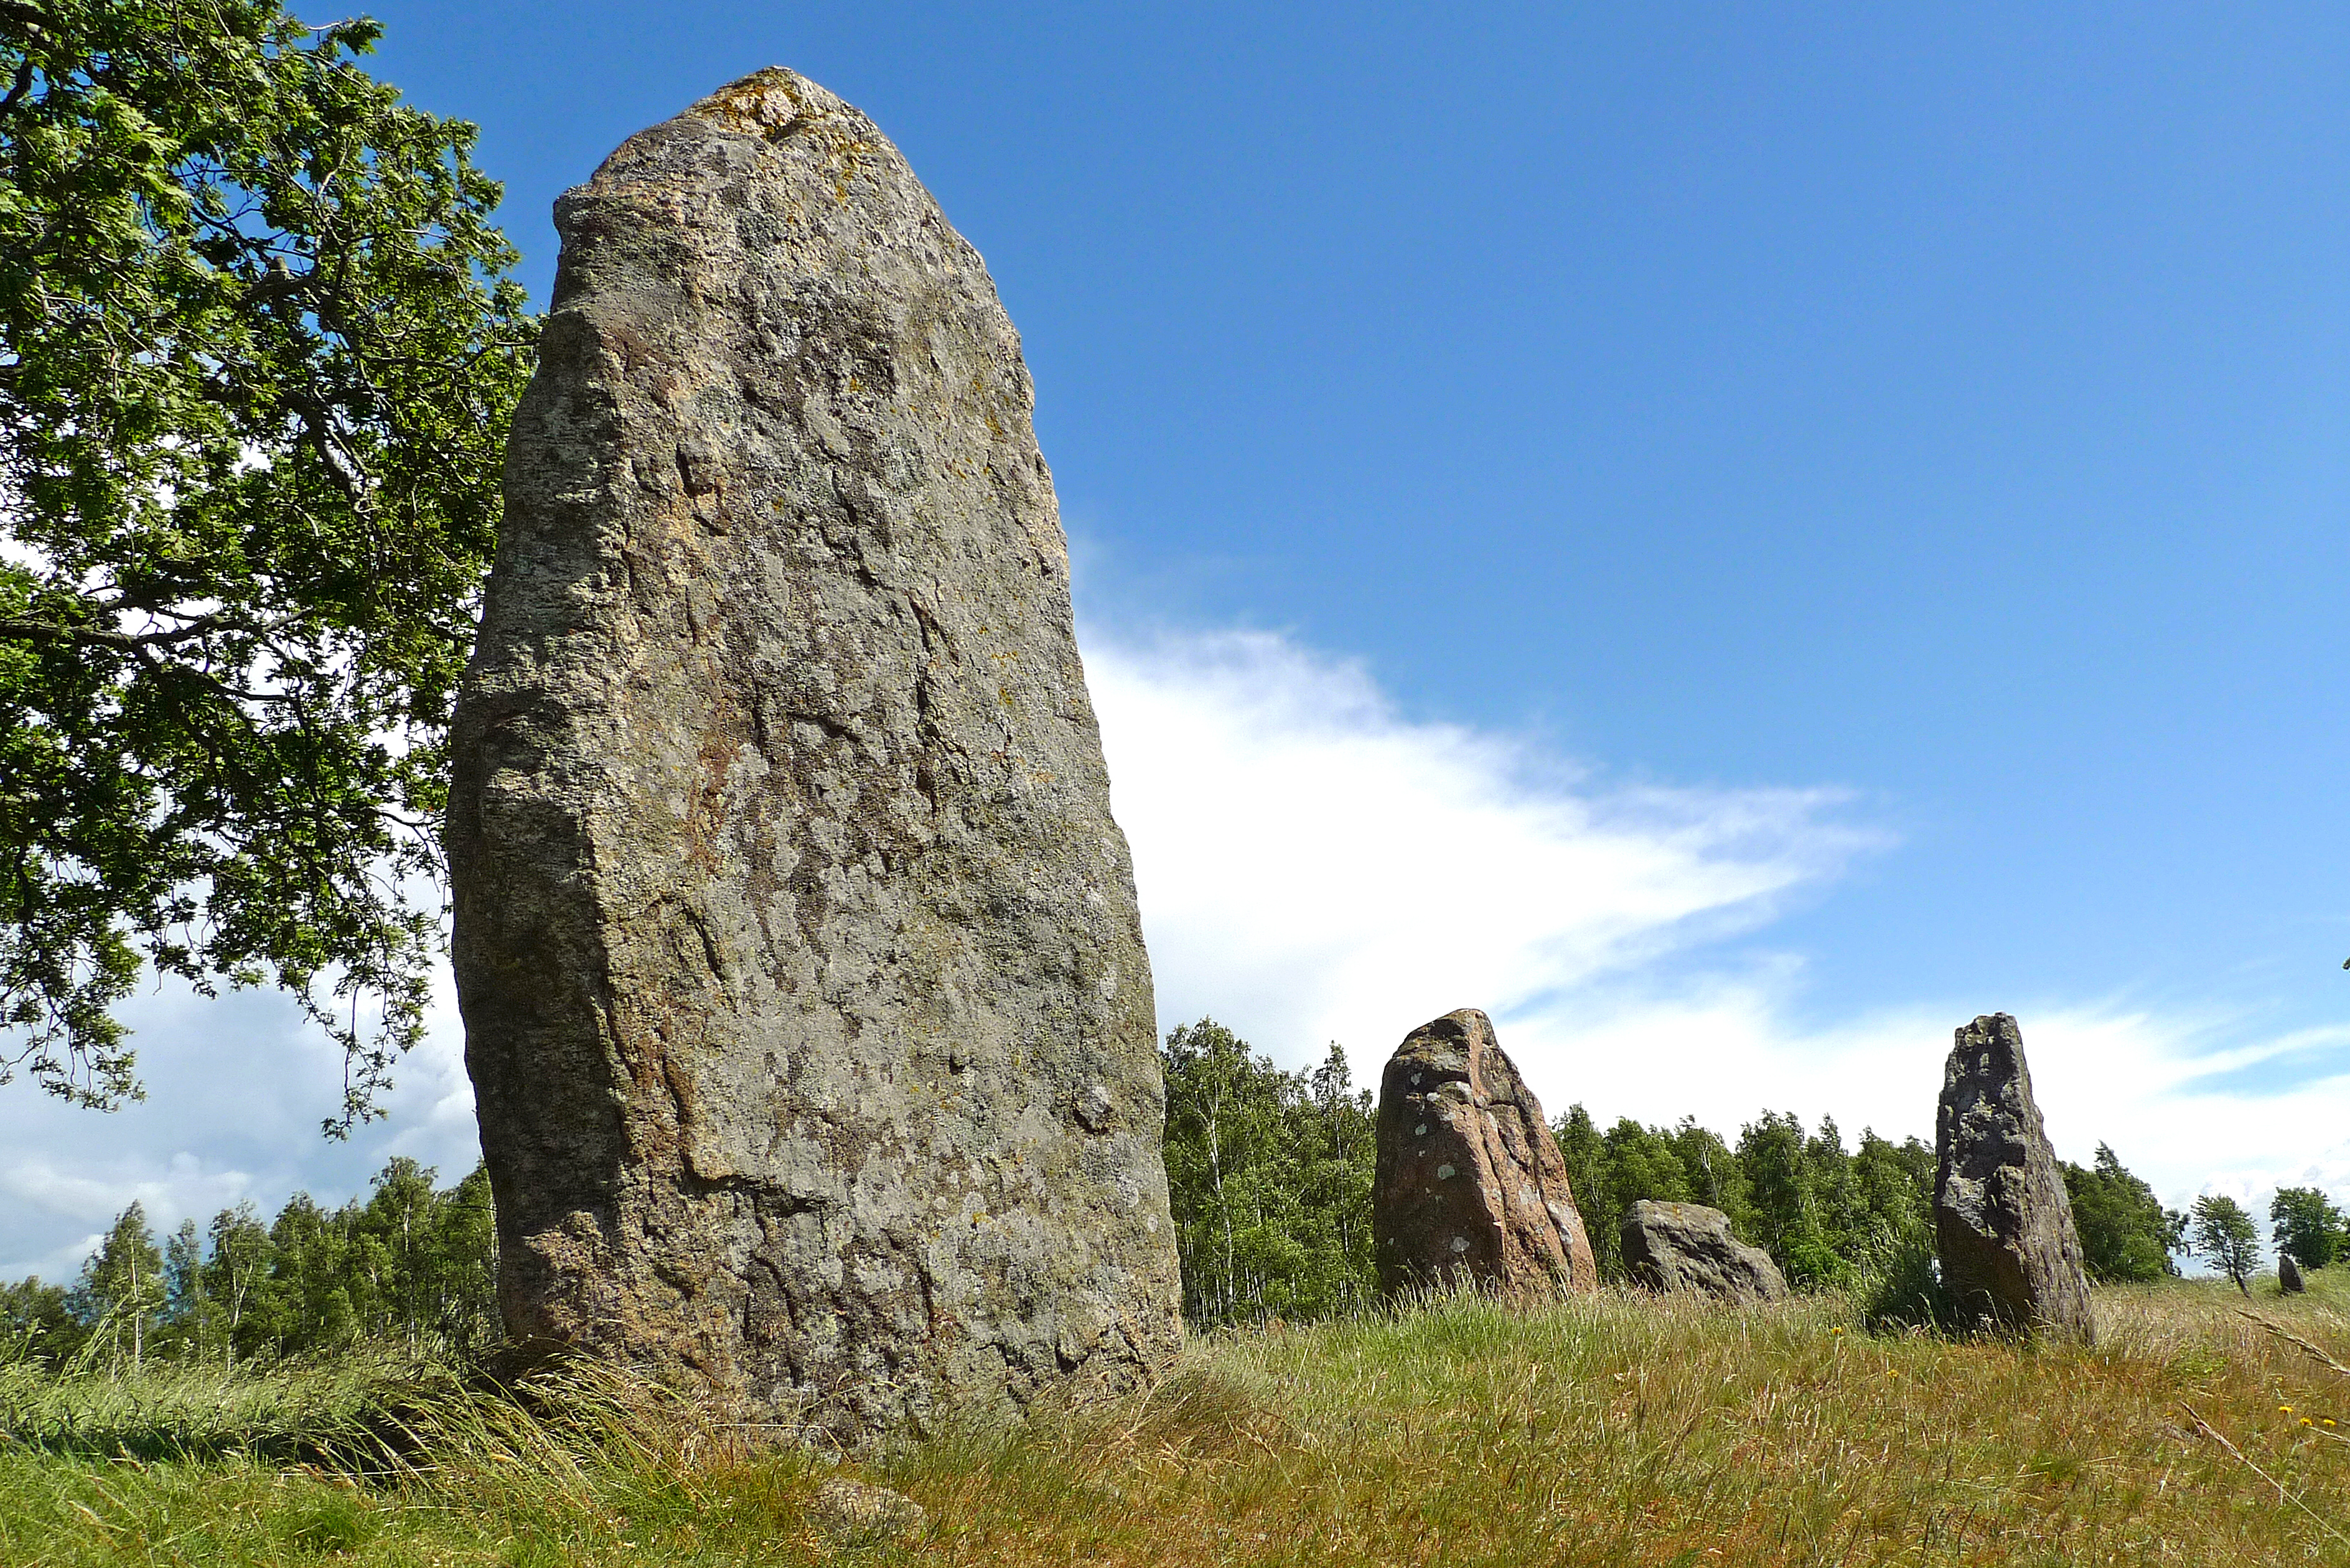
(1616, 1429)
(322, 1406)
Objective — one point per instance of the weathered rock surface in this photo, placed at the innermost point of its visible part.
(1688, 1247)
(805, 999)
(855, 1513)
(1469, 1187)
(2289, 1278)
(2002, 1224)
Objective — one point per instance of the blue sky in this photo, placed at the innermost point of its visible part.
(1854, 496)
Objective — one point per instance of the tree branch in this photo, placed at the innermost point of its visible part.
(18, 89)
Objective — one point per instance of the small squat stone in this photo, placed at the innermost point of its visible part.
(1688, 1247)
(857, 1513)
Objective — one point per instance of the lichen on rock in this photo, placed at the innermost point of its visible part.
(1470, 1188)
(805, 993)
(1688, 1247)
(2011, 1257)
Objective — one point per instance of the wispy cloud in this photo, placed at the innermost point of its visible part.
(236, 1087)
(1315, 866)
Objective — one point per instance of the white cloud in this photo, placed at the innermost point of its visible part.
(1314, 867)
(2101, 1073)
(236, 1087)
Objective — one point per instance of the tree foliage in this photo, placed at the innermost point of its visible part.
(1827, 1215)
(2308, 1225)
(2125, 1233)
(256, 358)
(121, 1291)
(1269, 1173)
(407, 1265)
(2223, 1235)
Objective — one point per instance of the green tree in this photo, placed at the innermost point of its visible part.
(1269, 1174)
(188, 1326)
(1335, 1139)
(1585, 1153)
(1714, 1176)
(2126, 1234)
(238, 1257)
(2224, 1236)
(307, 1302)
(2307, 1226)
(121, 1290)
(464, 1293)
(258, 356)
(1636, 1162)
(1781, 1166)
(1893, 1193)
(423, 1262)
(36, 1322)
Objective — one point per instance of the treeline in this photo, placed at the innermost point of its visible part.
(407, 1265)
(1270, 1173)
(1270, 1176)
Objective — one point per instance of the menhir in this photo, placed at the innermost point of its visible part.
(2002, 1224)
(1469, 1188)
(805, 996)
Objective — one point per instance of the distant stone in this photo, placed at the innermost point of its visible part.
(806, 1000)
(857, 1513)
(1470, 1188)
(2289, 1278)
(2003, 1226)
(1688, 1247)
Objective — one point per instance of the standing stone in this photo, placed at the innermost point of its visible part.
(804, 996)
(2289, 1278)
(2002, 1224)
(1469, 1187)
(1688, 1247)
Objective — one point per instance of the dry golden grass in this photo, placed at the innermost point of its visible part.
(1615, 1430)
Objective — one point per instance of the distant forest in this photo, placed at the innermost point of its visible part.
(408, 1264)
(1271, 1175)
(1270, 1172)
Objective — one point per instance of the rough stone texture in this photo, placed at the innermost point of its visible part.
(2289, 1278)
(1688, 1247)
(804, 996)
(2011, 1257)
(855, 1513)
(1469, 1187)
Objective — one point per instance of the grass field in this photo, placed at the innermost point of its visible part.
(1615, 1430)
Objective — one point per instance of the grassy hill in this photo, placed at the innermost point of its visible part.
(1614, 1430)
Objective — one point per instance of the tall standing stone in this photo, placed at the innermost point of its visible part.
(804, 996)
(2002, 1224)
(1470, 1188)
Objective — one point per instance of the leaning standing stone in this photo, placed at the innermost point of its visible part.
(806, 1000)
(1688, 1247)
(2289, 1280)
(2002, 1224)
(1469, 1187)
